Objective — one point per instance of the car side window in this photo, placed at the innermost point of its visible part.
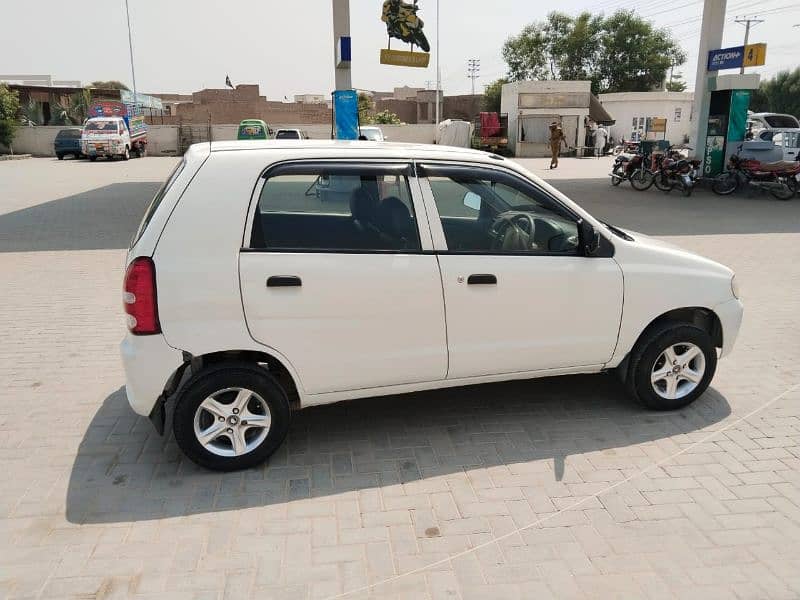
(330, 210)
(488, 213)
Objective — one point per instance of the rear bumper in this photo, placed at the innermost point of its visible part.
(149, 364)
(730, 317)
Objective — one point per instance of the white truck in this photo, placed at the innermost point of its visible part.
(112, 131)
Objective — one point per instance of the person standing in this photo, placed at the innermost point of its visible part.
(600, 137)
(556, 139)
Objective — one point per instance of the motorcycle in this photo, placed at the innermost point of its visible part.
(631, 167)
(403, 23)
(672, 170)
(781, 179)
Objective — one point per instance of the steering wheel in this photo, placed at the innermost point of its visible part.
(501, 224)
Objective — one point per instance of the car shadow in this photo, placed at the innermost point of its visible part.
(100, 219)
(124, 471)
(654, 212)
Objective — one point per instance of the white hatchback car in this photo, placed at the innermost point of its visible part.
(271, 276)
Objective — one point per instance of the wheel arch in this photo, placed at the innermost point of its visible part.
(699, 316)
(194, 364)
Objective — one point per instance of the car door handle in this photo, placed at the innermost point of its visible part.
(482, 279)
(284, 281)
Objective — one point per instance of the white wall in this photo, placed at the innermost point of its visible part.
(163, 139)
(623, 107)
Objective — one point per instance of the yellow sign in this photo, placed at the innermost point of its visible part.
(658, 125)
(754, 55)
(404, 58)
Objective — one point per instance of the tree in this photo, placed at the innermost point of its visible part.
(111, 84)
(782, 92)
(676, 83)
(492, 95)
(366, 107)
(9, 105)
(386, 118)
(622, 52)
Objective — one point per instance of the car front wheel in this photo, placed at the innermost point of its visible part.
(232, 416)
(671, 366)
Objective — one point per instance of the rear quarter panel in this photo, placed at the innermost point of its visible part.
(196, 258)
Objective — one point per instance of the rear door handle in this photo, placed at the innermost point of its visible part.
(482, 279)
(284, 281)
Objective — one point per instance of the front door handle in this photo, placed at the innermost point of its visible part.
(482, 279)
(284, 281)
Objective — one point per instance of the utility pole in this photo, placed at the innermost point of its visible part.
(341, 29)
(746, 22)
(473, 71)
(130, 47)
(710, 39)
(438, 70)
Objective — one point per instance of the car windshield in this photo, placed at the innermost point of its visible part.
(103, 126)
(782, 121)
(373, 135)
(287, 134)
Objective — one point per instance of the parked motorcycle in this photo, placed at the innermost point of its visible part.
(672, 170)
(781, 179)
(631, 167)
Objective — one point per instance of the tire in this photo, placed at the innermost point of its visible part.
(93, 158)
(126, 155)
(788, 192)
(641, 179)
(223, 382)
(647, 360)
(616, 178)
(725, 184)
(421, 41)
(661, 182)
(60, 156)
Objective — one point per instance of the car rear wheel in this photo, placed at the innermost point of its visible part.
(60, 156)
(232, 416)
(93, 158)
(671, 366)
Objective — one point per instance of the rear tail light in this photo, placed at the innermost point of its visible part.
(139, 297)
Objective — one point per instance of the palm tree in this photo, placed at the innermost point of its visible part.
(31, 114)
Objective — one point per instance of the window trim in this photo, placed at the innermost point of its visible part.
(437, 231)
(358, 165)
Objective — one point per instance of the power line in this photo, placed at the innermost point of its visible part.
(473, 71)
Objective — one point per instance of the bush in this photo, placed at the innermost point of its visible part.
(9, 105)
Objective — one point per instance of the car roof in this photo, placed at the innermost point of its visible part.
(347, 148)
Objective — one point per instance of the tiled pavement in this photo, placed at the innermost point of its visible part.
(434, 492)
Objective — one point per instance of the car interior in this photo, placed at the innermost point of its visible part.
(336, 212)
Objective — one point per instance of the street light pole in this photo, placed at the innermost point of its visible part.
(130, 46)
(438, 70)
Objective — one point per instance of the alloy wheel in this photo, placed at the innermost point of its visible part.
(678, 370)
(232, 422)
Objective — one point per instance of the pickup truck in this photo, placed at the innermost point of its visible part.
(114, 132)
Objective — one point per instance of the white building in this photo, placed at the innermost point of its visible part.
(631, 111)
(532, 105)
(311, 98)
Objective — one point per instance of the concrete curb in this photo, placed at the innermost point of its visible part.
(14, 156)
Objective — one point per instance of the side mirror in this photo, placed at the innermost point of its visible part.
(588, 237)
(472, 200)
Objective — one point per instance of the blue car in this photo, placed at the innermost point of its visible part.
(68, 141)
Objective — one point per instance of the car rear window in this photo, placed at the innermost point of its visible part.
(782, 121)
(68, 134)
(156, 201)
(287, 135)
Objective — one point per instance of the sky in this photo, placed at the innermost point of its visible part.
(286, 46)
